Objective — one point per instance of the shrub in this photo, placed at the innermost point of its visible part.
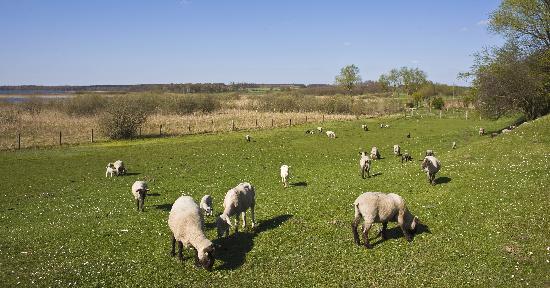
(83, 105)
(438, 103)
(123, 116)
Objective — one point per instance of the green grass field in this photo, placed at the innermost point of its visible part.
(64, 224)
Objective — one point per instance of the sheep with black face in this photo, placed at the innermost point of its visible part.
(139, 190)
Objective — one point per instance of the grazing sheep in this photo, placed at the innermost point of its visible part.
(331, 134)
(139, 190)
(374, 153)
(396, 150)
(494, 134)
(376, 207)
(248, 138)
(481, 131)
(512, 127)
(364, 127)
(386, 126)
(506, 130)
(237, 201)
(431, 165)
(364, 164)
(406, 157)
(119, 166)
(206, 205)
(320, 129)
(381, 125)
(454, 145)
(429, 152)
(308, 131)
(284, 175)
(186, 223)
(409, 135)
(110, 170)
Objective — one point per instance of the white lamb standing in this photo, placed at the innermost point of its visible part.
(431, 166)
(374, 153)
(206, 205)
(331, 134)
(237, 201)
(284, 175)
(364, 164)
(186, 223)
(376, 207)
(111, 170)
(139, 190)
(396, 150)
(248, 138)
(320, 129)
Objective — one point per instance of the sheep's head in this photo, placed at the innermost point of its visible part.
(223, 223)
(206, 257)
(424, 164)
(110, 165)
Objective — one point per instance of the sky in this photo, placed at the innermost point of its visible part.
(73, 42)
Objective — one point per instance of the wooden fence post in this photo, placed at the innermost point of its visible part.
(306, 118)
(439, 114)
(290, 122)
(92, 138)
(19, 141)
(272, 122)
(140, 131)
(232, 125)
(466, 114)
(160, 130)
(189, 127)
(323, 118)
(59, 138)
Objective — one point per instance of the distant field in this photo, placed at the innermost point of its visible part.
(65, 224)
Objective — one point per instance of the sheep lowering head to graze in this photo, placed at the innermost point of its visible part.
(396, 150)
(364, 164)
(406, 157)
(111, 170)
(206, 205)
(331, 134)
(186, 223)
(374, 153)
(364, 127)
(431, 166)
(237, 201)
(284, 175)
(119, 166)
(376, 207)
(139, 190)
(320, 129)
(481, 131)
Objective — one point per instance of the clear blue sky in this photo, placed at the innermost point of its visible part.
(72, 42)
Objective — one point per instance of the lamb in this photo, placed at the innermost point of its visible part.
(409, 135)
(284, 175)
(119, 166)
(506, 130)
(247, 138)
(377, 207)
(331, 134)
(139, 190)
(431, 165)
(429, 152)
(206, 205)
(454, 145)
(364, 127)
(320, 129)
(396, 150)
(406, 157)
(494, 134)
(237, 201)
(186, 223)
(364, 164)
(374, 153)
(481, 131)
(110, 170)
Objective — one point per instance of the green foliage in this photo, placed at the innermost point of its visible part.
(438, 103)
(408, 79)
(123, 116)
(84, 104)
(349, 77)
(187, 104)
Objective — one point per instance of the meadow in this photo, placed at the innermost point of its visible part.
(64, 224)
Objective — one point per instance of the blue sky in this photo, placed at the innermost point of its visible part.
(62, 42)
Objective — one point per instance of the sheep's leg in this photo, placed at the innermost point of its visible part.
(432, 180)
(252, 216)
(362, 173)
(354, 225)
(368, 172)
(429, 177)
(366, 228)
(173, 251)
(243, 214)
(137, 204)
(401, 223)
(197, 264)
(180, 251)
(383, 232)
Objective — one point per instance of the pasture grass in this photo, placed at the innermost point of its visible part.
(65, 224)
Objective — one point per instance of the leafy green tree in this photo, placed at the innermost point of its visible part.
(348, 78)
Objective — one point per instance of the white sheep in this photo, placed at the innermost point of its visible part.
(186, 223)
(429, 152)
(376, 207)
(396, 150)
(481, 131)
(364, 164)
(119, 166)
(320, 129)
(139, 190)
(374, 153)
(284, 175)
(237, 201)
(206, 205)
(111, 170)
(248, 138)
(331, 134)
(506, 130)
(454, 145)
(364, 127)
(431, 166)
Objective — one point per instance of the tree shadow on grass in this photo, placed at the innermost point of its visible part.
(232, 250)
(442, 180)
(396, 233)
(299, 184)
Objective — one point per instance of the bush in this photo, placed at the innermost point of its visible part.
(123, 116)
(9, 117)
(438, 103)
(83, 105)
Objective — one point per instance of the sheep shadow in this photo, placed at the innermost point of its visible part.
(232, 250)
(132, 173)
(396, 233)
(376, 174)
(299, 184)
(153, 194)
(442, 180)
(164, 207)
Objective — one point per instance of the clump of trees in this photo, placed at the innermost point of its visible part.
(516, 76)
(349, 78)
(404, 79)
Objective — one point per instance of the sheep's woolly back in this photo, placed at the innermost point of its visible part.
(284, 171)
(365, 160)
(186, 222)
(379, 207)
(239, 199)
(137, 186)
(431, 164)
